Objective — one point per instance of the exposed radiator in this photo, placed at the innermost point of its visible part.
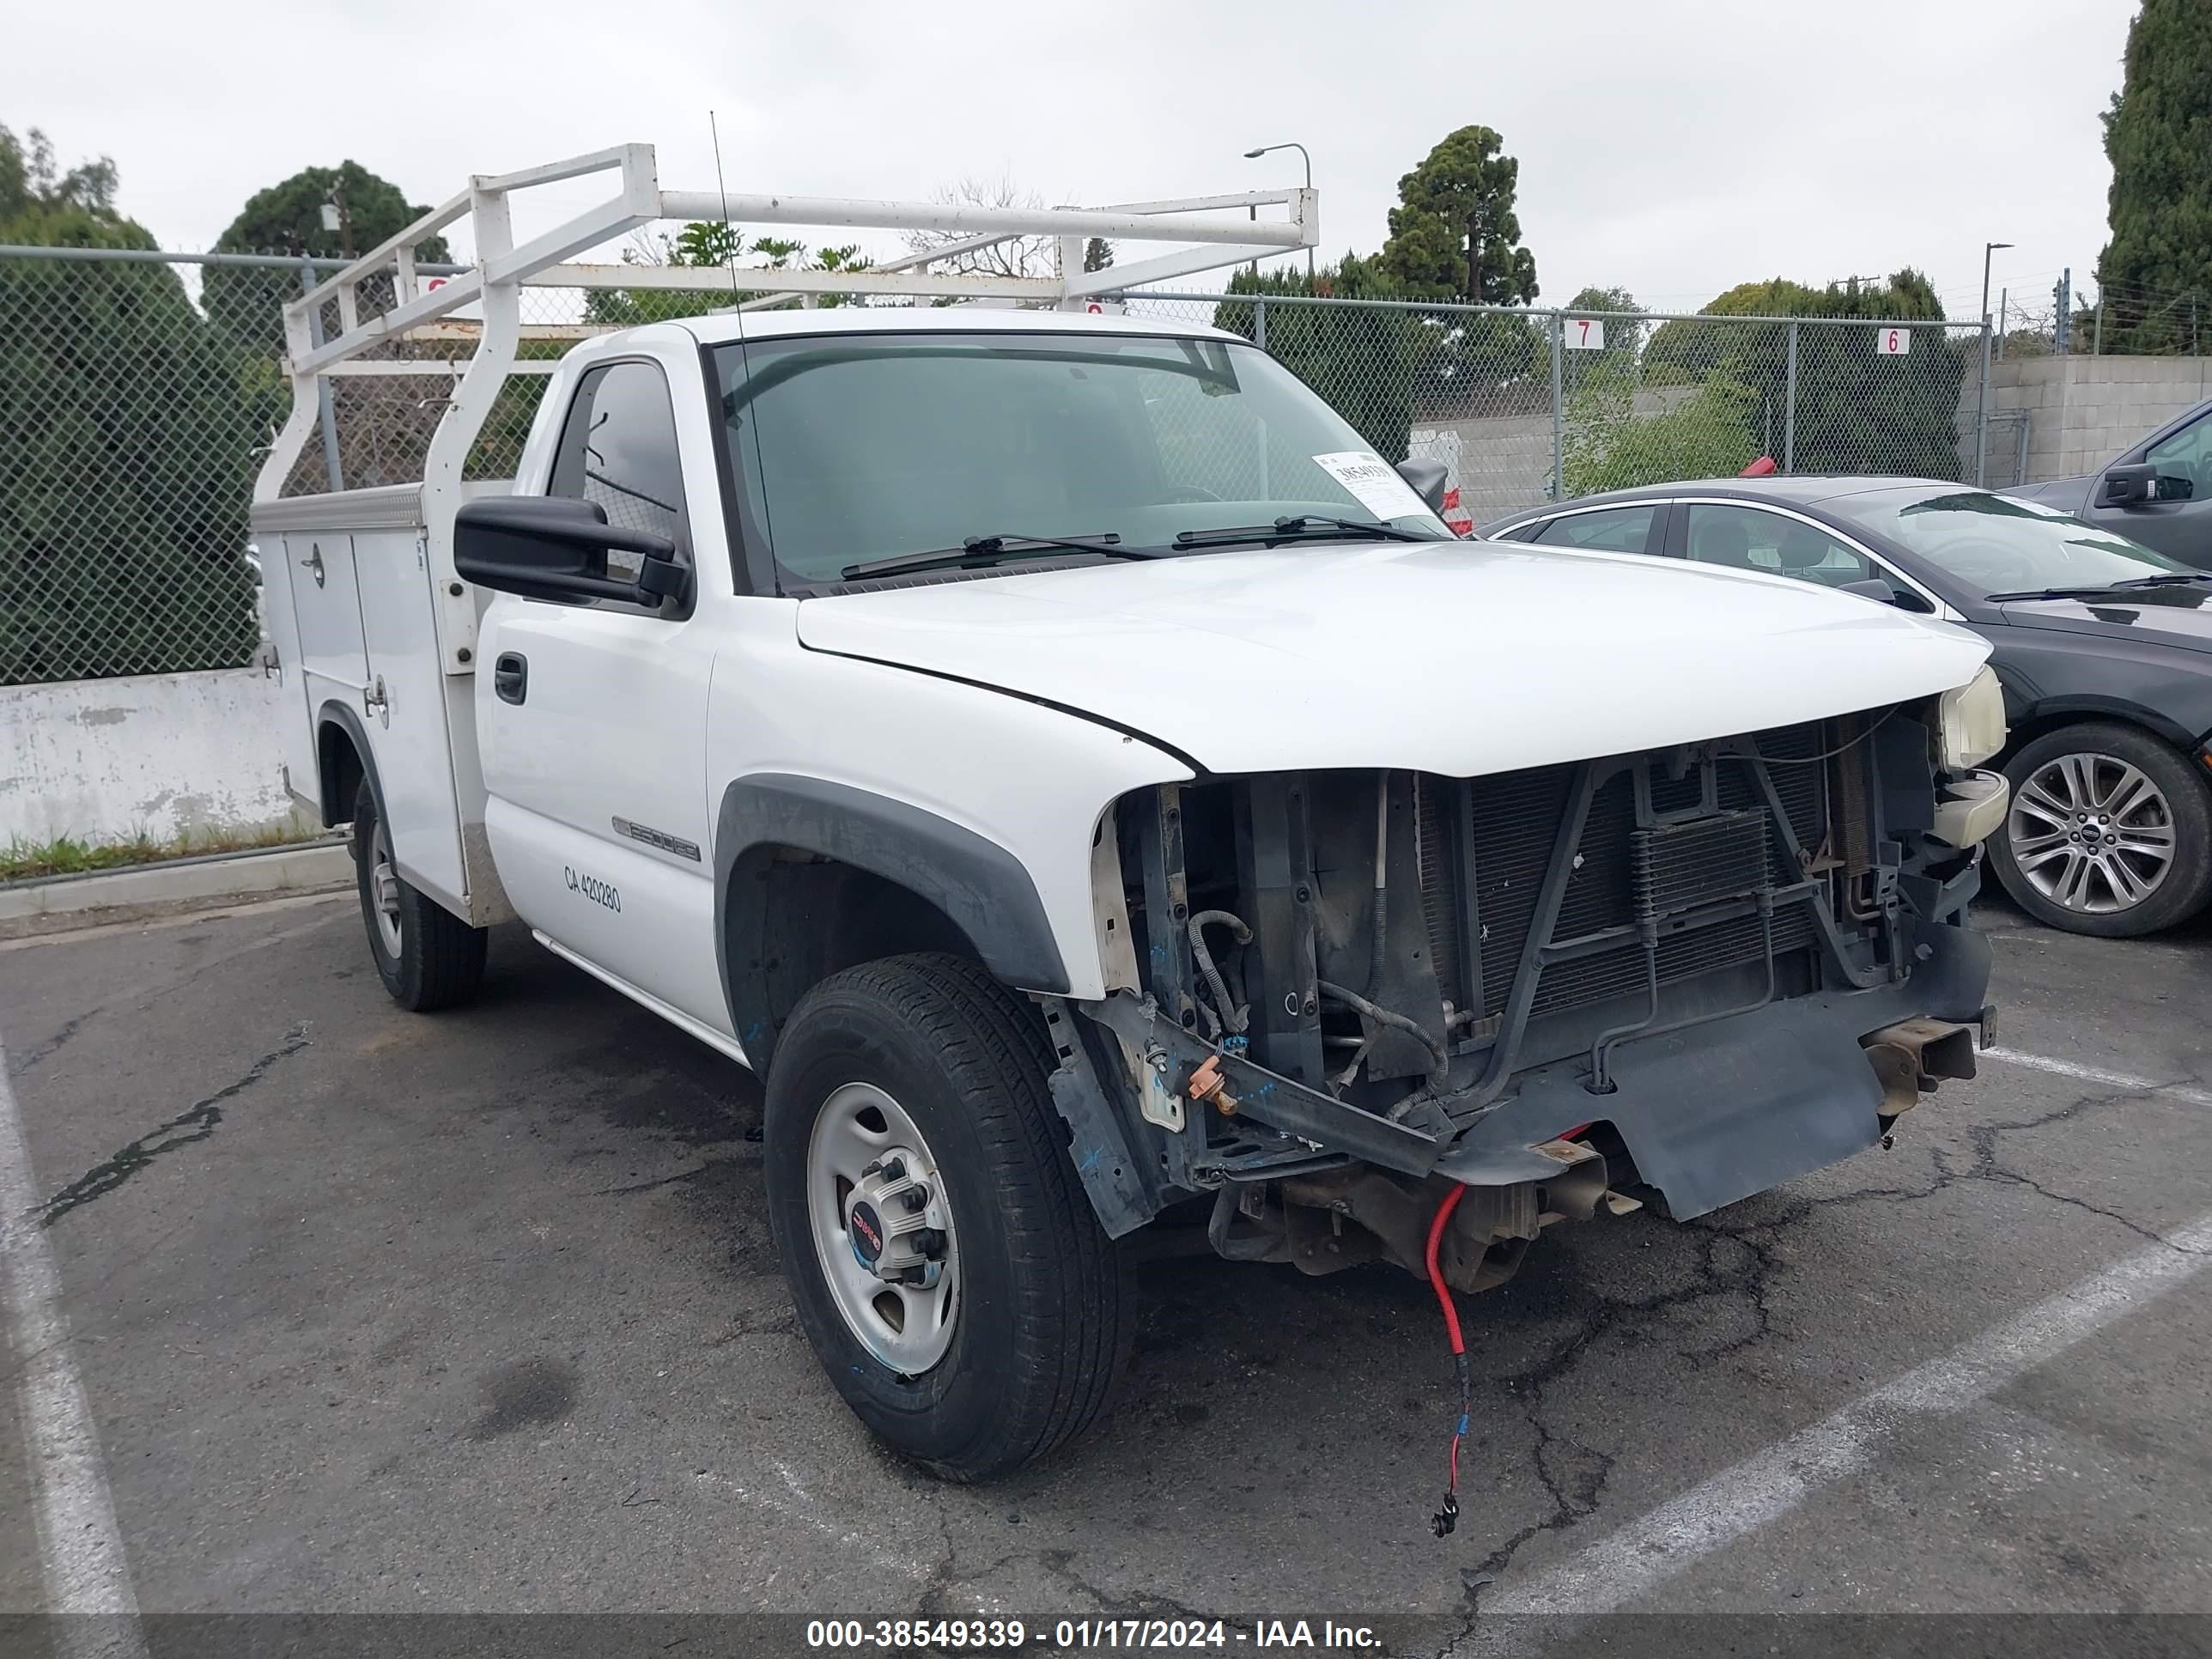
(1702, 849)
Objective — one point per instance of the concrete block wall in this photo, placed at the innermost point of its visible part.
(164, 754)
(2084, 410)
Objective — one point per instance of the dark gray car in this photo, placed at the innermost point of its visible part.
(2159, 492)
(2104, 646)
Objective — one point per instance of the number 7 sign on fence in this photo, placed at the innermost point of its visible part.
(1890, 341)
(1584, 333)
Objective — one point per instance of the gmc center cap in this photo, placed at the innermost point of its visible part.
(865, 1229)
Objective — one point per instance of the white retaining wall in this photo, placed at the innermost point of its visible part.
(165, 754)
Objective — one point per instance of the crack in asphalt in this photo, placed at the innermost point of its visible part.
(1140, 1604)
(693, 1173)
(1577, 1493)
(21, 1064)
(196, 1122)
(1981, 1142)
(1575, 1499)
(1735, 1263)
(746, 1159)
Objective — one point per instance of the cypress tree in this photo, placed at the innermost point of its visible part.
(2155, 274)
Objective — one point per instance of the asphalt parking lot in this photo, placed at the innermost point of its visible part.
(376, 1312)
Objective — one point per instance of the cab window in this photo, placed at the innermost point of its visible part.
(618, 449)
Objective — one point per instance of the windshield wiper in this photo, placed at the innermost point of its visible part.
(2170, 579)
(1290, 529)
(979, 552)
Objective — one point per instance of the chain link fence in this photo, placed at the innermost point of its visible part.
(1528, 406)
(129, 417)
(139, 393)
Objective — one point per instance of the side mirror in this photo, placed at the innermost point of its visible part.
(1870, 587)
(2172, 486)
(2127, 486)
(1875, 588)
(552, 547)
(1427, 478)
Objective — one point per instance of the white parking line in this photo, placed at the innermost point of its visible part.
(2142, 1086)
(80, 1548)
(1769, 1484)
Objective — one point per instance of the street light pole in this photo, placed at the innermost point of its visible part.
(1982, 396)
(1988, 250)
(1254, 155)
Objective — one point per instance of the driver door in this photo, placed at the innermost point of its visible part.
(593, 721)
(2179, 529)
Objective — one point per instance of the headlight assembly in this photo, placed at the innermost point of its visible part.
(1972, 718)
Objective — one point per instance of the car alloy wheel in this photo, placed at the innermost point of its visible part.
(2092, 833)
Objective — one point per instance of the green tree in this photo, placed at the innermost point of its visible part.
(715, 249)
(1454, 234)
(1682, 352)
(123, 498)
(2156, 272)
(1609, 445)
(247, 303)
(1363, 363)
(1456, 239)
(67, 206)
(1856, 411)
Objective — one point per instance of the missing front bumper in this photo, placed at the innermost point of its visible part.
(1709, 1114)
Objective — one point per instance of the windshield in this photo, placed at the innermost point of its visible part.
(1994, 544)
(858, 447)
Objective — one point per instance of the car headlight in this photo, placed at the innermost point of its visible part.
(1972, 717)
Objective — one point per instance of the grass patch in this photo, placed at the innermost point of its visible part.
(66, 855)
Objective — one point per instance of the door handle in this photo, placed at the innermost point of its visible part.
(315, 564)
(510, 676)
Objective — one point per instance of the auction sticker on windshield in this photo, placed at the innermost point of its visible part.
(1373, 483)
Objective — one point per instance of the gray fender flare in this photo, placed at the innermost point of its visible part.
(979, 886)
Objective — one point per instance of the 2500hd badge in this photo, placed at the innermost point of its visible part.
(599, 892)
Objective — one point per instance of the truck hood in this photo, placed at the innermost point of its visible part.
(2068, 495)
(1459, 658)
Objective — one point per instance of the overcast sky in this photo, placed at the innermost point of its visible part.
(1672, 147)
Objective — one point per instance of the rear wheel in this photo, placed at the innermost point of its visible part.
(427, 956)
(2109, 832)
(944, 1261)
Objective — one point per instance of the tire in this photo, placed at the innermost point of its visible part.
(2109, 832)
(427, 956)
(1039, 1321)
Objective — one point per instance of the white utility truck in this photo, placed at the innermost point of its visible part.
(1095, 790)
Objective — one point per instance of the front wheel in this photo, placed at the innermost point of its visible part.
(427, 956)
(2109, 832)
(944, 1262)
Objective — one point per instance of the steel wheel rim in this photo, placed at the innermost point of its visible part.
(2092, 834)
(907, 1327)
(383, 889)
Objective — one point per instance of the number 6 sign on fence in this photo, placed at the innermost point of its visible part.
(1891, 341)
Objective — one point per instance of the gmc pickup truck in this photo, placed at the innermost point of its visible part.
(1095, 790)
